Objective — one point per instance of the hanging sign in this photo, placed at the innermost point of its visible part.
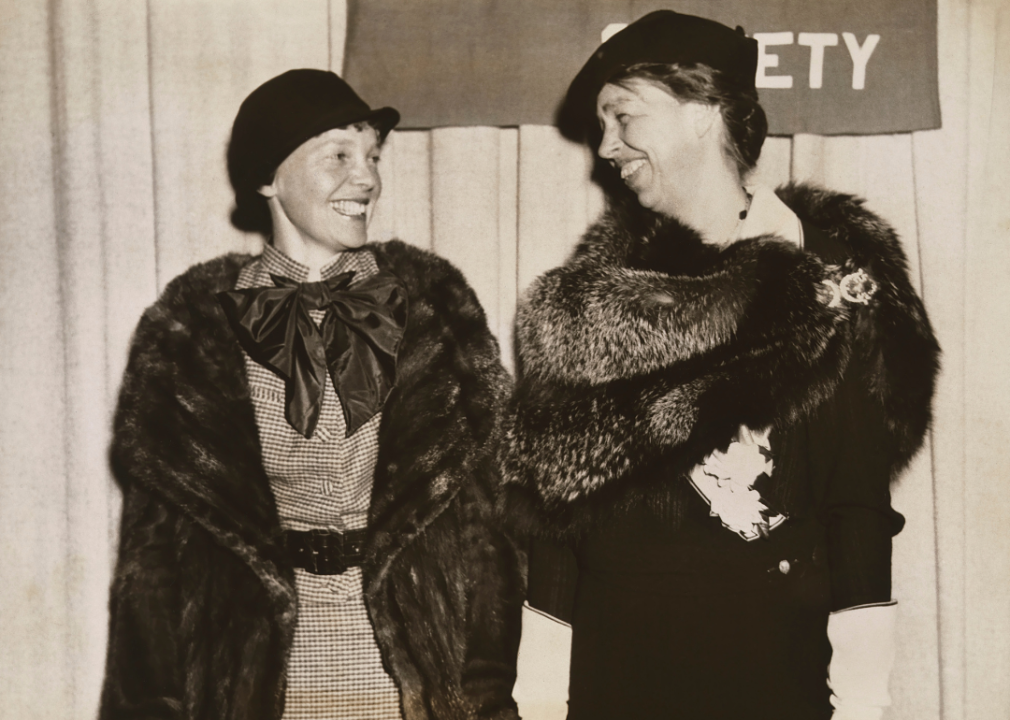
(827, 67)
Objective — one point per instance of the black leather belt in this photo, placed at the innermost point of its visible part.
(323, 552)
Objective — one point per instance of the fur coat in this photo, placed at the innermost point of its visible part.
(203, 604)
(649, 344)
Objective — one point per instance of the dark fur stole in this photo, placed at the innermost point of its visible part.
(649, 345)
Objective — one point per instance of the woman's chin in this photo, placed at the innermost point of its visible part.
(654, 202)
(347, 241)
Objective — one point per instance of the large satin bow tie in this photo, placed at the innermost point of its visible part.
(356, 343)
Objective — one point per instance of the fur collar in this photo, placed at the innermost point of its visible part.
(648, 343)
(185, 427)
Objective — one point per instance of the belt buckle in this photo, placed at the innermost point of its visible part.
(327, 552)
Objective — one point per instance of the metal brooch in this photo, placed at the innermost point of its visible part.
(857, 287)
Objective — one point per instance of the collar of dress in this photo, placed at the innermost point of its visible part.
(768, 215)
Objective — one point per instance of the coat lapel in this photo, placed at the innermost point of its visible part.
(185, 427)
(443, 411)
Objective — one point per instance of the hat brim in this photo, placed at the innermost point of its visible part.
(384, 119)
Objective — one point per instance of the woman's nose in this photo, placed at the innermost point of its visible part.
(610, 143)
(365, 174)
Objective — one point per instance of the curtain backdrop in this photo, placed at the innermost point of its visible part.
(113, 122)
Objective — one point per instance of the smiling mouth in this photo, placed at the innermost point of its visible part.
(350, 208)
(629, 169)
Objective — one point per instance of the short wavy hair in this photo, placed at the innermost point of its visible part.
(744, 121)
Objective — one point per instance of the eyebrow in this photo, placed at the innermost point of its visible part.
(346, 142)
(613, 106)
(621, 99)
(339, 141)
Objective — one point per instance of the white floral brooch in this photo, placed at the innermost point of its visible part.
(857, 287)
(725, 480)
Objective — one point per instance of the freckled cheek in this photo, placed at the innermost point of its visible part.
(328, 182)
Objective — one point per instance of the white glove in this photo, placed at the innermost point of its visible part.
(862, 654)
(545, 654)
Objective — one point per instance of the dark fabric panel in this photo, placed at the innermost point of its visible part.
(553, 575)
(465, 62)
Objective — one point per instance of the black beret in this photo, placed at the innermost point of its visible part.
(284, 112)
(666, 37)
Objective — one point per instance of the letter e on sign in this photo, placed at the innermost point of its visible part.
(770, 60)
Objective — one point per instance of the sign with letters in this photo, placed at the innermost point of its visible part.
(827, 67)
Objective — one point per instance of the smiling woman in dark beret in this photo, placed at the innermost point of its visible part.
(717, 391)
(303, 443)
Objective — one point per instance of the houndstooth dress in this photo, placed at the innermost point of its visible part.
(335, 670)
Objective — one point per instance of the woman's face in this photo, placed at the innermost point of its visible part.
(326, 188)
(653, 140)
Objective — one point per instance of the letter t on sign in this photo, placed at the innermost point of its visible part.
(860, 56)
(817, 42)
(770, 60)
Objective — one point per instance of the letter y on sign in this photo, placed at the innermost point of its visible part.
(860, 56)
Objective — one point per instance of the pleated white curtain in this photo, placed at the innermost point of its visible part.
(113, 122)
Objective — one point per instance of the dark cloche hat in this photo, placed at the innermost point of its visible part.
(287, 110)
(663, 36)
